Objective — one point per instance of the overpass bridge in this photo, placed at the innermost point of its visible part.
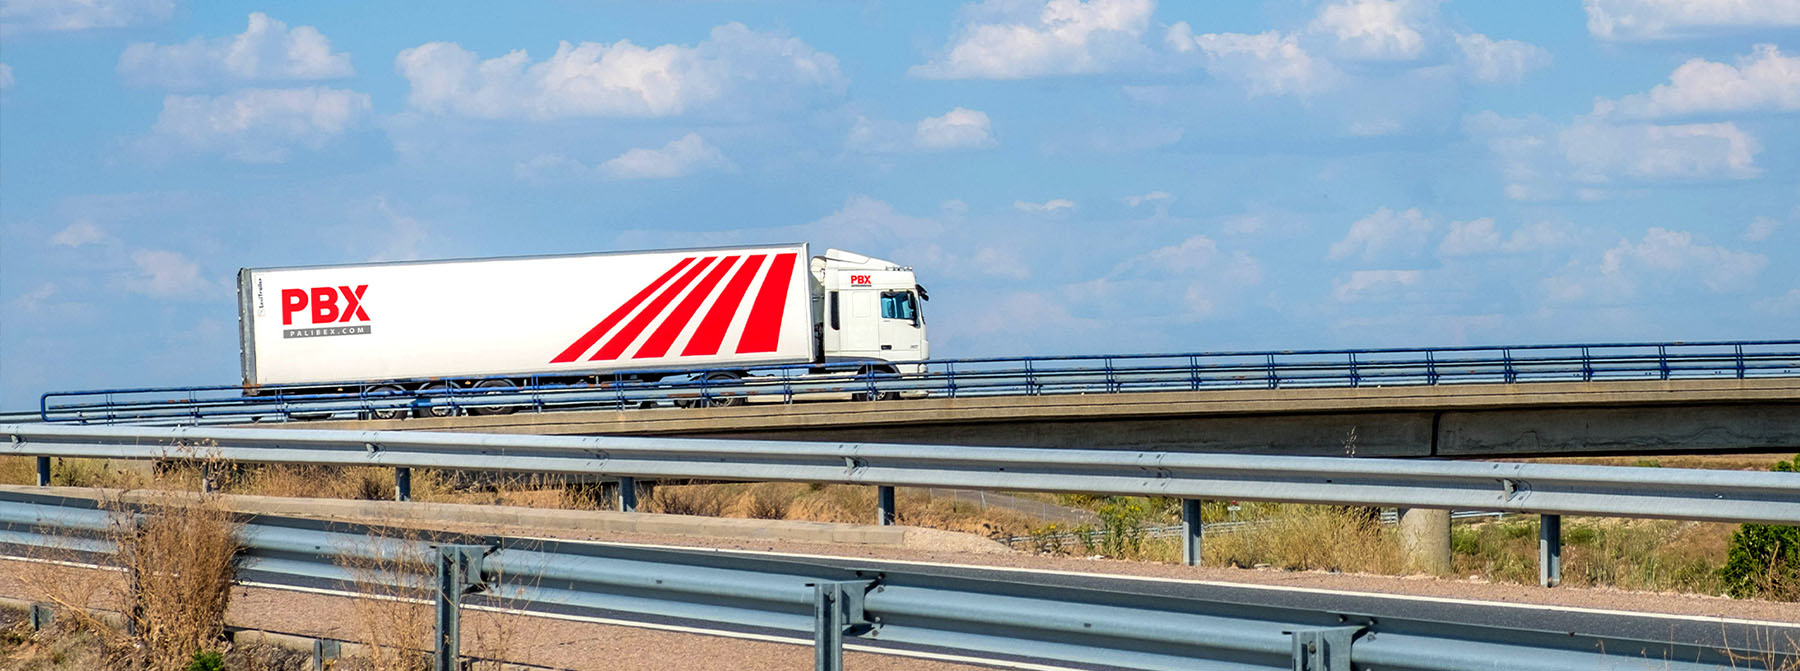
(1540, 400)
(1465, 420)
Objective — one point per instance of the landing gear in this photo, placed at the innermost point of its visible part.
(711, 398)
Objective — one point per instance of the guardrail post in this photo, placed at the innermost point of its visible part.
(40, 616)
(323, 652)
(402, 483)
(1324, 649)
(1426, 534)
(1190, 532)
(837, 606)
(43, 469)
(627, 494)
(884, 505)
(458, 573)
(1549, 550)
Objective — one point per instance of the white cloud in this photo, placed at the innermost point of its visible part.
(257, 125)
(33, 15)
(1384, 235)
(960, 128)
(267, 50)
(1599, 152)
(1157, 197)
(1267, 63)
(404, 239)
(6, 76)
(1762, 80)
(1010, 39)
(1499, 61)
(81, 233)
(1045, 207)
(1470, 238)
(166, 274)
(31, 301)
(1382, 30)
(683, 156)
(1540, 160)
(1663, 252)
(1760, 229)
(1663, 262)
(1365, 284)
(1785, 304)
(1663, 19)
(734, 69)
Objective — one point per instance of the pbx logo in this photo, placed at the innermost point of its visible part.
(860, 281)
(324, 305)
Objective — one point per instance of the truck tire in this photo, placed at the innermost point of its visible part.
(720, 401)
(500, 386)
(439, 403)
(877, 372)
(384, 392)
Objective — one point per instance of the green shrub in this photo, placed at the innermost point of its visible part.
(1764, 559)
(207, 660)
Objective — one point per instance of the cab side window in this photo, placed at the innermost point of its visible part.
(898, 305)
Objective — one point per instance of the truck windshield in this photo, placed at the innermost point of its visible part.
(898, 305)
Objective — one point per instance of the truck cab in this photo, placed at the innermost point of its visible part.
(868, 309)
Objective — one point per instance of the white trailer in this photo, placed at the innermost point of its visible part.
(421, 325)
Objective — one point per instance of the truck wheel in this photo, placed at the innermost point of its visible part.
(497, 387)
(878, 373)
(439, 403)
(719, 401)
(384, 392)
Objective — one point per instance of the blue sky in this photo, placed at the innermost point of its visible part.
(1067, 177)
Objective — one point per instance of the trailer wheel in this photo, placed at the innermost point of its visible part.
(498, 387)
(382, 392)
(714, 401)
(437, 409)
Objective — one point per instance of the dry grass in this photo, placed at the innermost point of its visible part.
(1308, 537)
(851, 504)
(397, 619)
(1653, 555)
(179, 558)
(175, 558)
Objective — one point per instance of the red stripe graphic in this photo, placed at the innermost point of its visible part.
(581, 345)
(763, 332)
(664, 336)
(712, 328)
(616, 345)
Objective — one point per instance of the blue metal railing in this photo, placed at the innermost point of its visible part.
(1028, 376)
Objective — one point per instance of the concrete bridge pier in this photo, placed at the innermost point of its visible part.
(1425, 533)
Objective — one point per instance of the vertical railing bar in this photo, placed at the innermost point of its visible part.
(1740, 361)
(1194, 372)
(1506, 356)
(1662, 360)
(1273, 381)
(1587, 365)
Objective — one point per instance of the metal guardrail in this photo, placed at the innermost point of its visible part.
(1028, 376)
(879, 609)
(1550, 490)
(1089, 535)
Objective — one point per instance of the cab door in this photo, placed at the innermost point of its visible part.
(860, 333)
(902, 325)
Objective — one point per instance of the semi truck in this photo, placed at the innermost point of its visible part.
(502, 323)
